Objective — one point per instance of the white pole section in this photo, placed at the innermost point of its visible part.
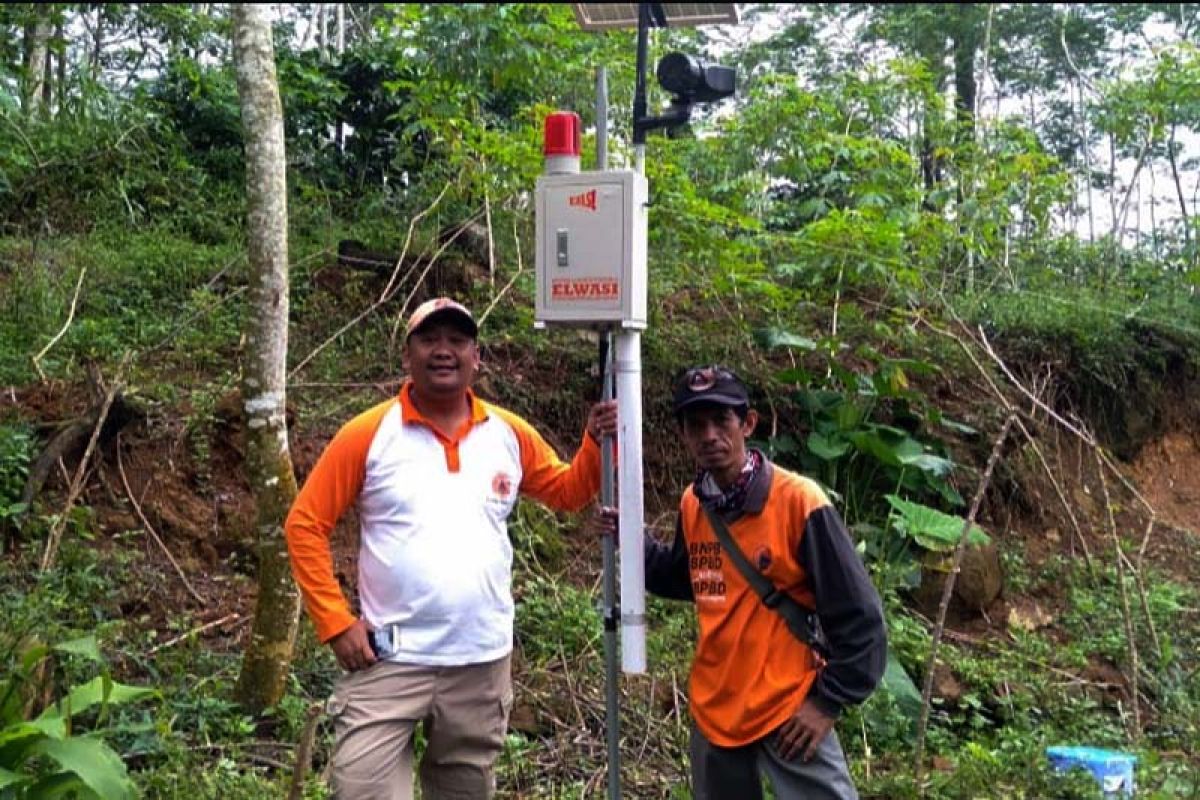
(629, 487)
(629, 483)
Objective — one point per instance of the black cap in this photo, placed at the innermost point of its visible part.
(712, 384)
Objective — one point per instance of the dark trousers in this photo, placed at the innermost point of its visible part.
(735, 773)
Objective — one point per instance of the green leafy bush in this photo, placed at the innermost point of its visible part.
(17, 444)
(855, 444)
(45, 754)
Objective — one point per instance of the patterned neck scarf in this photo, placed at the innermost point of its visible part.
(732, 499)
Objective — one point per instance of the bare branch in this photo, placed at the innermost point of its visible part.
(412, 224)
(384, 296)
(425, 272)
(304, 752)
(55, 535)
(150, 528)
(948, 591)
(1037, 401)
(234, 617)
(37, 360)
(1127, 615)
(511, 281)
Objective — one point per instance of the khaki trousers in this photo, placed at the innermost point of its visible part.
(464, 712)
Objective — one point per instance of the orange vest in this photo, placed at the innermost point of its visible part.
(750, 673)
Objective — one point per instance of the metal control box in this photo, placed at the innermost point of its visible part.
(591, 249)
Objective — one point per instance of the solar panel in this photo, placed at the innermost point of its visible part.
(607, 16)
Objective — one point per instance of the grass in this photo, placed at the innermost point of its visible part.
(1026, 690)
(1022, 690)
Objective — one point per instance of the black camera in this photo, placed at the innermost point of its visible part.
(693, 80)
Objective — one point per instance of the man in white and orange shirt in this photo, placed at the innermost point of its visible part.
(763, 702)
(435, 473)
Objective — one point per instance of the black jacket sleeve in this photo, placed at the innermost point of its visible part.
(850, 612)
(667, 572)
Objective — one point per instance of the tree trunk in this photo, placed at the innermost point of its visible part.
(97, 46)
(268, 464)
(965, 43)
(61, 60)
(37, 40)
(1183, 209)
(1087, 163)
(48, 79)
(322, 31)
(341, 28)
(339, 135)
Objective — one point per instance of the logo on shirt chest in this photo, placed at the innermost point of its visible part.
(502, 486)
(763, 558)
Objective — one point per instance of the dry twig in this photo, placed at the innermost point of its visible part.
(403, 312)
(234, 617)
(37, 360)
(52, 540)
(150, 528)
(304, 752)
(1020, 387)
(511, 281)
(948, 590)
(384, 296)
(1103, 461)
(1012, 410)
(1125, 611)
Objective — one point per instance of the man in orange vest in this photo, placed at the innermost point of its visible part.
(765, 690)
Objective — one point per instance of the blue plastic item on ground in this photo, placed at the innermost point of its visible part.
(1113, 770)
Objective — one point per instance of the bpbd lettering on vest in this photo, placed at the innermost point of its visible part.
(704, 555)
(705, 560)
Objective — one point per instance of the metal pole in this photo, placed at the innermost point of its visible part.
(639, 91)
(601, 118)
(612, 709)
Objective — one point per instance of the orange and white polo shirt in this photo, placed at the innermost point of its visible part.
(434, 556)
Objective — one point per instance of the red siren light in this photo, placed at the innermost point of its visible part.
(561, 134)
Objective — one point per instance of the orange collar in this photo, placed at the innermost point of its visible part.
(410, 414)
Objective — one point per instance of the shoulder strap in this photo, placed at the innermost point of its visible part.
(800, 621)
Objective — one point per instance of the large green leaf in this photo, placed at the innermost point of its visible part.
(826, 448)
(848, 416)
(947, 492)
(897, 683)
(31, 657)
(65, 785)
(96, 691)
(85, 646)
(16, 742)
(8, 778)
(53, 728)
(927, 462)
(778, 337)
(888, 447)
(96, 764)
(932, 529)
